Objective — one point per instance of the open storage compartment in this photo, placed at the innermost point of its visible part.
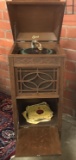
(40, 139)
(33, 139)
(23, 103)
(36, 76)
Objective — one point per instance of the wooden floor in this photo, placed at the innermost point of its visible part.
(37, 141)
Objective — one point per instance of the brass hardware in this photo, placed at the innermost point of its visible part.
(34, 37)
(35, 43)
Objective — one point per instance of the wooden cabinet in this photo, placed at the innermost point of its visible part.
(35, 79)
(38, 77)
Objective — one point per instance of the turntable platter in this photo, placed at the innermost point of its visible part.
(37, 51)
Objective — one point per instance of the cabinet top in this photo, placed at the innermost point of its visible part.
(36, 16)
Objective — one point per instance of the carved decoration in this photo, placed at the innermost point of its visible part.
(37, 80)
(36, 60)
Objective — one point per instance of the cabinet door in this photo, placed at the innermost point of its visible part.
(37, 81)
(38, 141)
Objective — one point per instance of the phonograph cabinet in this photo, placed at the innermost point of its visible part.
(36, 64)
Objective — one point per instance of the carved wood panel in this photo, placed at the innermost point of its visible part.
(36, 60)
(37, 80)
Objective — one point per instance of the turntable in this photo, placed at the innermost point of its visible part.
(36, 63)
(35, 45)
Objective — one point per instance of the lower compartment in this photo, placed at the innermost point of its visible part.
(38, 141)
(23, 103)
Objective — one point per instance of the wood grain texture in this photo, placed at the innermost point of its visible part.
(38, 141)
(36, 16)
(43, 17)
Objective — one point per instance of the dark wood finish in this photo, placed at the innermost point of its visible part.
(35, 141)
(41, 36)
(30, 66)
(13, 94)
(41, 62)
(30, 95)
(36, 16)
(36, 77)
(60, 104)
(33, 1)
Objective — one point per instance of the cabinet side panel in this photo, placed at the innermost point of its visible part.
(60, 104)
(13, 94)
